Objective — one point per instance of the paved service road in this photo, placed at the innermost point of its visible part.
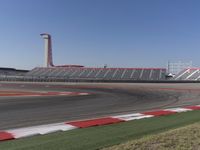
(105, 99)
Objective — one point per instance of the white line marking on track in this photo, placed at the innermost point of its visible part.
(83, 94)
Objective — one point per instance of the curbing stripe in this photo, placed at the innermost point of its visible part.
(178, 110)
(6, 136)
(196, 107)
(65, 126)
(36, 130)
(21, 94)
(130, 117)
(159, 113)
(95, 122)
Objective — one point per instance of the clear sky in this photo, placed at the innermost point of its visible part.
(120, 33)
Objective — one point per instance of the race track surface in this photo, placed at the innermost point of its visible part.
(104, 99)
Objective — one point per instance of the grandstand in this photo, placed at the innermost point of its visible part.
(51, 72)
(98, 73)
(68, 73)
(12, 72)
(79, 72)
(190, 74)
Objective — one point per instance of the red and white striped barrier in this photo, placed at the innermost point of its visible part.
(65, 126)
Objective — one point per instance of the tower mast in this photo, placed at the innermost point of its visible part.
(48, 50)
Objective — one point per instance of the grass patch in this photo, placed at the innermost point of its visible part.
(102, 136)
(183, 138)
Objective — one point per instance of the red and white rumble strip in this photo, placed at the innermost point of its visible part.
(65, 126)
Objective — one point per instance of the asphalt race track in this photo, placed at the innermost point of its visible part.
(104, 99)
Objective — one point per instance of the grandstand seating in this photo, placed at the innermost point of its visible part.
(12, 72)
(99, 73)
(192, 74)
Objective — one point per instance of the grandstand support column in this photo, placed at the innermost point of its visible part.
(48, 50)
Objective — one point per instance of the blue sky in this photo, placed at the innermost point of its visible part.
(120, 33)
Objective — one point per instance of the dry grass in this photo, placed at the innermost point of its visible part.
(184, 138)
